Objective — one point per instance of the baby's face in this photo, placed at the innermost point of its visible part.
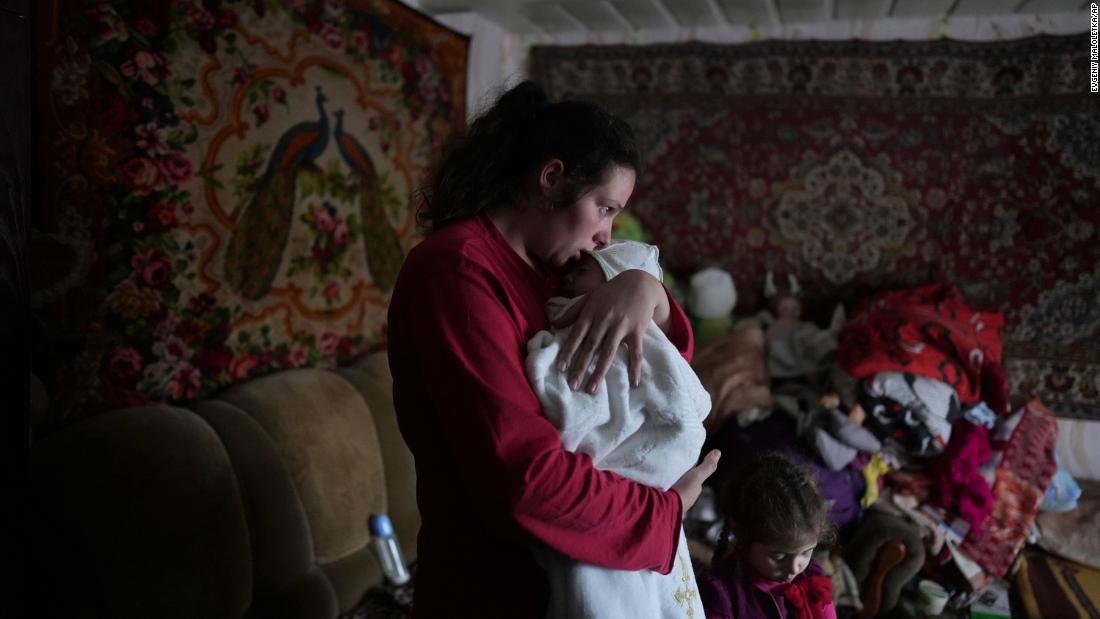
(585, 276)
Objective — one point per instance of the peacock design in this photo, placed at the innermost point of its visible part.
(384, 252)
(256, 246)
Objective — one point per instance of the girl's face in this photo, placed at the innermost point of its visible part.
(781, 562)
(566, 233)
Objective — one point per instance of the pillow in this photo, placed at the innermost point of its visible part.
(1077, 440)
(1075, 534)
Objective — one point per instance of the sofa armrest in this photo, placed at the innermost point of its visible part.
(889, 555)
(885, 553)
(137, 513)
(324, 441)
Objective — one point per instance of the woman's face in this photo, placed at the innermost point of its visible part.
(566, 233)
(781, 562)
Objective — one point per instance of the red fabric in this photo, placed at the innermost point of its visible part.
(910, 483)
(959, 484)
(809, 596)
(492, 477)
(1023, 476)
(731, 590)
(928, 331)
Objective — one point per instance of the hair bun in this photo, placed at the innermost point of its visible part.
(515, 110)
(526, 97)
(489, 165)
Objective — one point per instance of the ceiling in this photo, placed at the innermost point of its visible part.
(542, 17)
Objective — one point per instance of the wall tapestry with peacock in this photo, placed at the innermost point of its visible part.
(227, 187)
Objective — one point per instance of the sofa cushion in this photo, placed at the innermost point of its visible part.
(1075, 534)
(285, 576)
(1077, 440)
(352, 575)
(326, 438)
(137, 513)
(371, 376)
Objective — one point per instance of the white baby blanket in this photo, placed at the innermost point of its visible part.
(651, 434)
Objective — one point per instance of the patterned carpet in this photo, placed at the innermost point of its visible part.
(862, 166)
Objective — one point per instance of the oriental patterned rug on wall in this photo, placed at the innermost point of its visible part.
(226, 187)
(863, 166)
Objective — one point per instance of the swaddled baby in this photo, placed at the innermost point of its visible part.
(651, 434)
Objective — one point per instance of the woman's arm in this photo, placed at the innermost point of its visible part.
(616, 312)
(462, 368)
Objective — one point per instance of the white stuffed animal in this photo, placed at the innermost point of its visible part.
(711, 299)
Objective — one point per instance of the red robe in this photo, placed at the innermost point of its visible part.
(492, 476)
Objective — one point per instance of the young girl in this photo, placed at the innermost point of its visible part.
(776, 517)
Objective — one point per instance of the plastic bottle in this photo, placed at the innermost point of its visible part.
(387, 549)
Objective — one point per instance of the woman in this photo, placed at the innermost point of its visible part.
(531, 186)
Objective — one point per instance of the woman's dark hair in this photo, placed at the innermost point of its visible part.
(488, 164)
(771, 500)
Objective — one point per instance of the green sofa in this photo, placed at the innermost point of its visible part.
(253, 503)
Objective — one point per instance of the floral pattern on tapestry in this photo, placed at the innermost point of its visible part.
(242, 175)
(862, 166)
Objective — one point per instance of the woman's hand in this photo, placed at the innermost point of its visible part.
(691, 484)
(618, 311)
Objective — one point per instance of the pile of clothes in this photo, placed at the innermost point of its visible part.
(907, 417)
(921, 357)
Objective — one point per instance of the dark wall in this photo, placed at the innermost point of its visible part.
(15, 201)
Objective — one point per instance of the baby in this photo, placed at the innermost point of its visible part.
(651, 434)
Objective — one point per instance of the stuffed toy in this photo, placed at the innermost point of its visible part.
(733, 371)
(711, 298)
(837, 439)
(729, 360)
(627, 227)
(795, 347)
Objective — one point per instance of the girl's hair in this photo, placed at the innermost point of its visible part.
(489, 164)
(771, 500)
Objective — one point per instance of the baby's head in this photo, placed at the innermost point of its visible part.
(584, 276)
(608, 261)
(777, 516)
